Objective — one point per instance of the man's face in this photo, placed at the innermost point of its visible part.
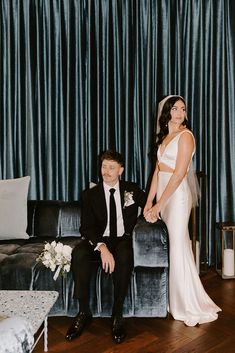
(110, 171)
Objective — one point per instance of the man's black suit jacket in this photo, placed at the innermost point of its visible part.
(94, 210)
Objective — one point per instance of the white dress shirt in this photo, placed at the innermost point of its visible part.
(117, 197)
(120, 223)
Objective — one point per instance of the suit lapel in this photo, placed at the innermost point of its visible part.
(101, 202)
(122, 190)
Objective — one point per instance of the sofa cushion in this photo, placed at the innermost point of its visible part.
(16, 271)
(46, 219)
(31, 248)
(13, 208)
(70, 219)
(8, 248)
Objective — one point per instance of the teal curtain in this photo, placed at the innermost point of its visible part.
(81, 76)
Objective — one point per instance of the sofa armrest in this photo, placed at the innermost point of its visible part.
(150, 244)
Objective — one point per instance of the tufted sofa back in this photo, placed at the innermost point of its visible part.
(54, 219)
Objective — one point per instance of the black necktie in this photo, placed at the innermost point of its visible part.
(112, 214)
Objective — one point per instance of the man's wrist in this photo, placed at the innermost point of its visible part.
(99, 246)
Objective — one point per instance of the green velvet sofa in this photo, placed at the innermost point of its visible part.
(60, 221)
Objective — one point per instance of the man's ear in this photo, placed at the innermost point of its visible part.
(121, 171)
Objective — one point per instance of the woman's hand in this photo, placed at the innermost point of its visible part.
(147, 207)
(153, 214)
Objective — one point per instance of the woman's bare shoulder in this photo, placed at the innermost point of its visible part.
(186, 133)
(187, 137)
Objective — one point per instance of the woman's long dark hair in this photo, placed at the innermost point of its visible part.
(165, 117)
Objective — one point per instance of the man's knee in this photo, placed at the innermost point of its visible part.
(124, 255)
(81, 253)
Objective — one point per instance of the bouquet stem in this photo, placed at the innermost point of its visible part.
(57, 272)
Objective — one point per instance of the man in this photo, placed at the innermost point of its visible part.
(108, 216)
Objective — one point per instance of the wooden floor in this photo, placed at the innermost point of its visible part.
(156, 335)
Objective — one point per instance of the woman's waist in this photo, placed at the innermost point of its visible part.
(166, 175)
(164, 172)
(165, 166)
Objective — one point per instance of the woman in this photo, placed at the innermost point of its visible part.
(188, 300)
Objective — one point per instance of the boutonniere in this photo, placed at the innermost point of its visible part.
(128, 198)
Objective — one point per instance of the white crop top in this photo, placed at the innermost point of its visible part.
(169, 155)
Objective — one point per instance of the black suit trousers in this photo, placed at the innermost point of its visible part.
(84, 259)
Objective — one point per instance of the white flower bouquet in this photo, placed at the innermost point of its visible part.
(56, 254)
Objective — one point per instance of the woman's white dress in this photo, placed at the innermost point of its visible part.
(188, 300)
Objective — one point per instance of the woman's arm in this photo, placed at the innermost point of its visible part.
(152, 191)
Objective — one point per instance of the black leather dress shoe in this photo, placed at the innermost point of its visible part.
(118, 330)
(81, 321)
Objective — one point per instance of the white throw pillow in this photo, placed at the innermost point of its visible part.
(13, 208)
(16, 335)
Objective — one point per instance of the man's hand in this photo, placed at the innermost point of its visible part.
(108, 262)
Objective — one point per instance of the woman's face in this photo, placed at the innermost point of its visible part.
(178, 113)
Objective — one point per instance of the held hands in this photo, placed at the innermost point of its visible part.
(147, 207)
(107, 259)
(152, 214)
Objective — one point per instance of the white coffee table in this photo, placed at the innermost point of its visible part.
(32, 305)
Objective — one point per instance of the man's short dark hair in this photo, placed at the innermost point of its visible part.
(111, 155)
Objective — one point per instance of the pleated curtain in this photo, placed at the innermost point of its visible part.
(80, 76)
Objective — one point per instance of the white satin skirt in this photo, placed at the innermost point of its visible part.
(188, 300)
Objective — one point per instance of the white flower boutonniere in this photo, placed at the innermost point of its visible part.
(128, 198)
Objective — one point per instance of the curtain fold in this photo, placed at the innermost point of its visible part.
(80, 76)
